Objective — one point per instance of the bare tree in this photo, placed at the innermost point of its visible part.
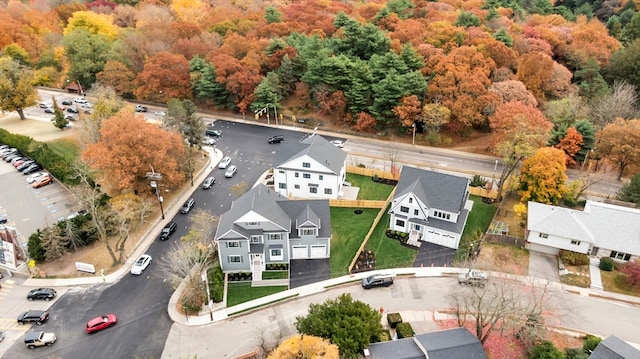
(107, 104)
(620, 102)
(186, 260)
(204, 224)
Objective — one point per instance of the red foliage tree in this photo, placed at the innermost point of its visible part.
(511, 116)
(632, 270)
(164, 77)
(409, 110)
(570, 144)
(365, 123)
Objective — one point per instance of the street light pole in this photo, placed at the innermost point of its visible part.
(413, 138)
(154, 185)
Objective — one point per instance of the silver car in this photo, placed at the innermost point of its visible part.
(231, 171)
(141, 264)
(225, 162)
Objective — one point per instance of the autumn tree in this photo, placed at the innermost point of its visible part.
(517, 131)
(620, 143)
(17, 90)
(54, 243)
(543, 176)
(513, 90)
(129, 148)
(128, 212)
(408, 111)
(365, 123)
(305, 346)
(118, 76)
(630, 192)
(434, 116)
(352, 326)
(165, 76)
(570, 145)
(632, 270)
(107, 103)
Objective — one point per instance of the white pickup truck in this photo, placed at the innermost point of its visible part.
(473, 277)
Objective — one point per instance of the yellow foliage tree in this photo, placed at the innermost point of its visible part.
(543, 176)
(305, 346)
(96, 23)
(192, 11)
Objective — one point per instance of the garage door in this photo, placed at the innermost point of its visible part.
(543, 249)
(299, 252)
(319, 251)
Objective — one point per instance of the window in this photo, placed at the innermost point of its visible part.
(410, 200)
(275, 237)
(256, 239)
(448, 216)
(281, 171)
(415, 212)
(233, 244)
(282, 185)
(276, 254)
(296, 186)
(399, 223)
(308, 232)
(235, 259)
(320, 177)
(404, 209)
(328, 191)
(543, 235)
(306, 175)
(313, 189)
(296, 175)
(253, 223)
(576, 243)
(620, 255)
(306, 164)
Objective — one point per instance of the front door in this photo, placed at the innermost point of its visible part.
(257, 266)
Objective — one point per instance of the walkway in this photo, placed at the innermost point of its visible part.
(594, 273)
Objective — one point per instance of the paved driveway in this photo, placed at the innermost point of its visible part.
(543, 266)
(307, 271)
(433, 255)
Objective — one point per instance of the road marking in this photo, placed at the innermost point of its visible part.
(12, 324)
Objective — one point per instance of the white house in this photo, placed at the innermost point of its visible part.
(311, 168)
(263, 227)
(430, 206)
(601, 229)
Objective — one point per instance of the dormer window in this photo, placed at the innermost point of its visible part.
(306, 164)
(308, 232)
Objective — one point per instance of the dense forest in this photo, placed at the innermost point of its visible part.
(447, 65)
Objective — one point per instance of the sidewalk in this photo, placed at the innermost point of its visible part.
(215, 155)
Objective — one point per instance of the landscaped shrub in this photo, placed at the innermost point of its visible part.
(590, 343)
(394, 319)
(575, 353)
(606, 264)
(404, 330)
(574, 258)
(478, 181)
(216, 286)
(385, 336)
(34, 247)
(545, 350)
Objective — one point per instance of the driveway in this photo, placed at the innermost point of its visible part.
(308, 271)
(433, 255)
(543, 265)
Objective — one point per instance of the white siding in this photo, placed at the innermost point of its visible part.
(299, 252)
(319, 251)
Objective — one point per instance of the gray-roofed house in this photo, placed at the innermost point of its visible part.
(453, 343)
(601, 229)
(311, 168)
(614, 348)
(264, 227)
(430, 206)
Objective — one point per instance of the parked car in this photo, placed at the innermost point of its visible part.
(140, 108)
(225, 162)
(377, 280)
(160, 113)
(213, 133)
(69, 117)
(33, 316)
(337, 143)
(42, 181)
(231, 171)
(102, 322)
(17, 162)
(186, 207)
(31, 169)
(42, 293)
(45, 104)
(275, 139)
(167, 231)
(67, 102)
(208, 183)
(32, 178)
(80, 100)
(141, 264)
(72, 110)
(13, 156)
(49, 110)
(473, 277)
(24, 165)
(39, 339)
(208, 141)
(3, 219)
(73, 215)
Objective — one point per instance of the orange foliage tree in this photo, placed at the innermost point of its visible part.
(365, 123)
(305, 346)
(408, 111)
(570, 144)
(129, 147)
(164, 77)
(117, 76)
(620, 142)
(543, 176)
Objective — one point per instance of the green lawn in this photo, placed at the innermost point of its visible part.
(281, 274)
(369, 190)
(66, 148)
(480, 216)
(348, 231)
(243, 292)
(389, 252)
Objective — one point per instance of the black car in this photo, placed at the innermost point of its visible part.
(67, 102)
(31, 169)
(3, 219)
(167, 231)
(33, 316)
(42, 293)
(72, 110)
(275, 139)
(25, 164)
(213, 133)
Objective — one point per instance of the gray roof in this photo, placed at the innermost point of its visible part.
(453, 343)
(435, 190)
(276, 208)
(316, 147)
(605, 225)
(614, 348)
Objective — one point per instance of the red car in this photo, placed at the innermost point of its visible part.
(101, 322)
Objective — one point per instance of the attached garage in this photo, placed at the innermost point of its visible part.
(299, 252)
(440, 239)
(318, 251)
(543, 249)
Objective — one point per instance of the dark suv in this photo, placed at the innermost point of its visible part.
(167, 231)
(33, 316)
(42, 293)
(275, 139)
(377, 280)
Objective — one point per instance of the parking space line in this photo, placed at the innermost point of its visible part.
(12, 324)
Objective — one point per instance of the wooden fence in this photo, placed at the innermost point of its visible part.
(356, 203)
(484, 193)
(370, 172)
(502, 239)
